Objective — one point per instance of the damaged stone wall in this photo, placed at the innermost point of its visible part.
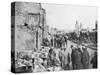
(25, 35)
(22, 9)
(25, 38)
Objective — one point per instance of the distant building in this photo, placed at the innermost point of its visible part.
(77, 29)
(84, 30)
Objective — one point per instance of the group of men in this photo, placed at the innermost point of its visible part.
(58, 41)
(78, 58)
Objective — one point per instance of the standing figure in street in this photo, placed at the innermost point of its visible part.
(85, 58)
(94, 60)
(61, 57)
(51, 57)
(52, 42)
(76, 58)
(64, 59)
(69, 61)
(72, 57)
(63, 39)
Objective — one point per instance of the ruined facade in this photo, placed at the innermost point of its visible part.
(29, 25)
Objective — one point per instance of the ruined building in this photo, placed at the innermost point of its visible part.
(29, 25)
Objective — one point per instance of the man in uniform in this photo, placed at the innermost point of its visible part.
(85, 58)
(76, 58)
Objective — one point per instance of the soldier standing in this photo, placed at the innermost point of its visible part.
(94, 60)
(76, 58)
(85, 58)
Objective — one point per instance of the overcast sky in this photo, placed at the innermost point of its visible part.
(64, 16)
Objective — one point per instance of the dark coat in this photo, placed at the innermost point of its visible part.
(94, 61)
(76, 59)
(85, 59)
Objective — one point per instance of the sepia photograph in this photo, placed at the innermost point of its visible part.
(49, 37)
